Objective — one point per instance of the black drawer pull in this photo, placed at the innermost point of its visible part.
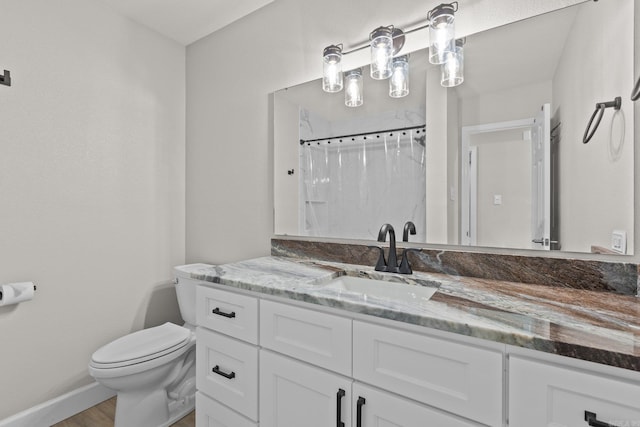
(591, 418)
(341, 394)
(216, 370)
(222, 313)
(361, 401)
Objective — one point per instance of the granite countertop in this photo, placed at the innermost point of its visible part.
(600, 327)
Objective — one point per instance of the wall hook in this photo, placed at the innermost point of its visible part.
(6, 78)
(599, 111)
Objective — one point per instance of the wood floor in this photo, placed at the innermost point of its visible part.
(102, 415)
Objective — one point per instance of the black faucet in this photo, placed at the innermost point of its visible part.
(409, 227)
(391, 266)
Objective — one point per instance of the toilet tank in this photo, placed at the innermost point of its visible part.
(186, 289)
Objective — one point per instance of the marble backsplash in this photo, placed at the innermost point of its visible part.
(620, 278)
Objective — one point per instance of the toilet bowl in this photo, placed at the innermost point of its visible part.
(153, 370)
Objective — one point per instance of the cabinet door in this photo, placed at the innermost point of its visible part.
(377, 408)
(457, 378)
(542, 394)
(294, 394)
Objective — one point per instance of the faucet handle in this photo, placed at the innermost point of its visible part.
(381, 265)
(405, 267)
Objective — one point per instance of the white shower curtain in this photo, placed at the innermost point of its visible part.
(350, 188)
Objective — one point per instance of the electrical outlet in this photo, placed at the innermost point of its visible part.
(619, 241)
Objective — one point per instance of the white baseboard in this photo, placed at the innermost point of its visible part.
(60, 408)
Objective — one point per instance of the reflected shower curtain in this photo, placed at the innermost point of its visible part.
(349, 189)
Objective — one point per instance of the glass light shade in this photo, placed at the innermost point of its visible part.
(453, 68)
(381, 53)
(399, 81)
(332, 69)
(441, 32)
(354, 88)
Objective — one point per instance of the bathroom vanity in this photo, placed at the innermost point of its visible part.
(279, 345)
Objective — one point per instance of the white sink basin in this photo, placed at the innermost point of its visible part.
(382, 289)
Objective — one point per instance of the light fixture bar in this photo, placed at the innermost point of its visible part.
(368, 44)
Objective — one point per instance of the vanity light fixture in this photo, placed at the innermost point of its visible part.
(353, 94)
(442, 31)
(399, 80)
(386, 43)
(332, 68)
(453, 68)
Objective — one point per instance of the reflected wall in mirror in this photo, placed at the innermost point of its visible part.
(502, 162)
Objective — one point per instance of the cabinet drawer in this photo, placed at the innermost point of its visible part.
(210, 413)
(382, 409)
(318, 338)
(228, 313)
(457, 378)
(227, 370)
(542, 394)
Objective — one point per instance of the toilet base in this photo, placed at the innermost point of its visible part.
(180, 410)
(162, 406)
(151, 409)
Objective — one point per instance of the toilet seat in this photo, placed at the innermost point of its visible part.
(141, 346)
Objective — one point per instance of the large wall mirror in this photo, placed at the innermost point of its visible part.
(498, 161)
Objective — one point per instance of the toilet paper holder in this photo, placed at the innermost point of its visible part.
(35, 288)
(14, 293)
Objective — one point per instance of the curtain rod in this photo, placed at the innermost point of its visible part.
(303, 141)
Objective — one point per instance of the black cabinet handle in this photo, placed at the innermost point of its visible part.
(591, 418)
(341, 394)
(216, 370)
(361, 401)
(222, 313)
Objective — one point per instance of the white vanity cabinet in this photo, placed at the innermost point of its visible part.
(269, 362)
(341, 363)
(545, 394)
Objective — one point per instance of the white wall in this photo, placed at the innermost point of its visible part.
(91, 188)
(230, 75)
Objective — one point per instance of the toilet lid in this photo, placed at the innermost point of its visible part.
(142, 345)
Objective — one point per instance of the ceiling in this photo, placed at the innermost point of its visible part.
(185, 21)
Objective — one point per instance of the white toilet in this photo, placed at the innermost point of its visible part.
(153, 370)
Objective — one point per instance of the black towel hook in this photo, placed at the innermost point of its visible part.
(5, 79)
(599, 111)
